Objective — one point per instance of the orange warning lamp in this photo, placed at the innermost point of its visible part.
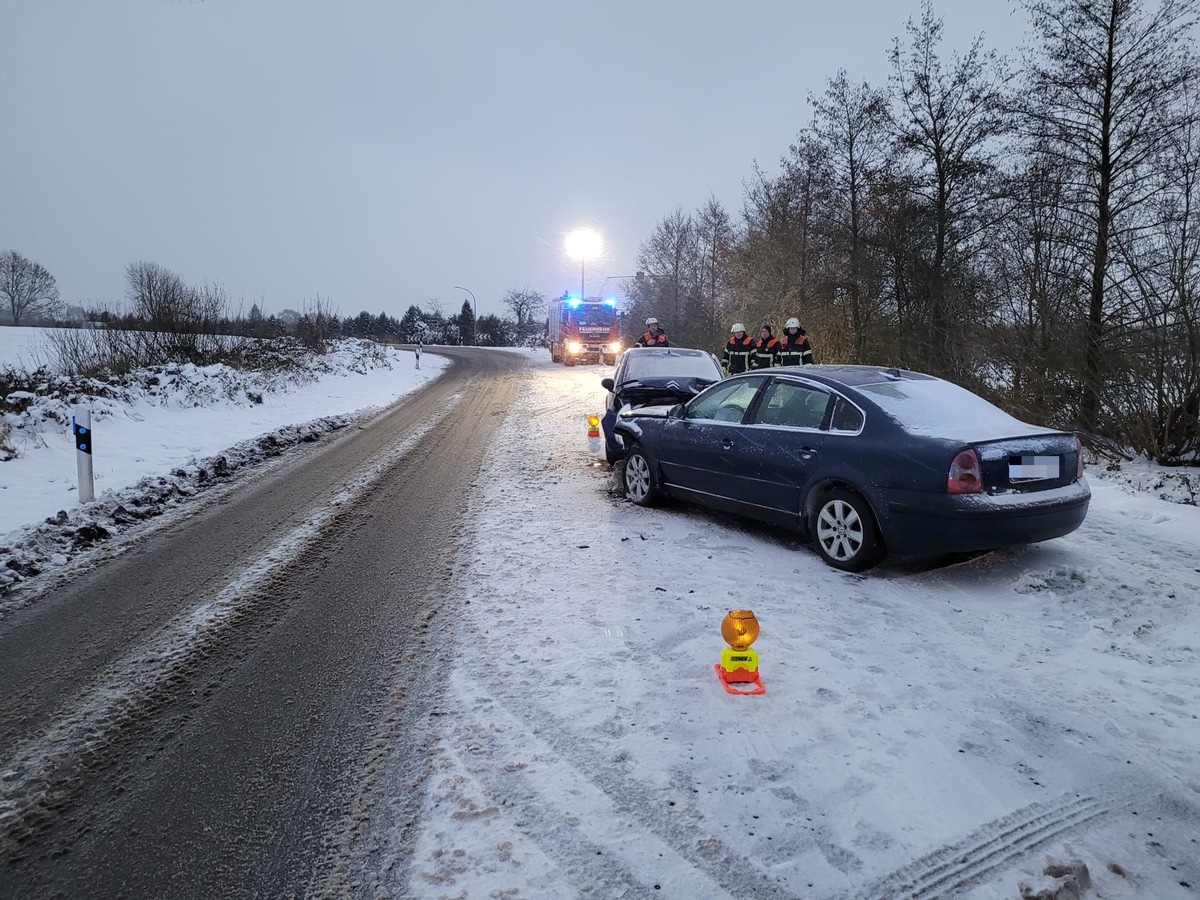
(593, 433)
(739, 661)
(739, 628)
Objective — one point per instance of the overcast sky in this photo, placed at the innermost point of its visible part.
(380, 153)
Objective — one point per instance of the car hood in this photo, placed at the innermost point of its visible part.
(660, 390)
(646, 412)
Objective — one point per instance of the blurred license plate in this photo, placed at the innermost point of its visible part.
(1033, 468)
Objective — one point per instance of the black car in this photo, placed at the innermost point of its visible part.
(649, 376)
(867, 460)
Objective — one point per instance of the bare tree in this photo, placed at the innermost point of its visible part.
(668, 260)
(1099, 93)
(1040, 281)
(777, 264)
(1157, 379)
(946, 123)
(435, 308)
(26, 286)
(528, 308)
(317, 324)
(715, 240)
(849, 122)
(158, 296)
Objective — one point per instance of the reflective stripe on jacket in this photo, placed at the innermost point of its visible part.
(736, 357)
(795, 352)
(766, 353)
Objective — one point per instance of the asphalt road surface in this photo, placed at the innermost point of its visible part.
(199, 715)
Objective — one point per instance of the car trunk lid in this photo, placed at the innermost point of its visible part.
(1038, 462)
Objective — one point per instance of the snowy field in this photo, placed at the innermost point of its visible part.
(928, 730)
(188, 415)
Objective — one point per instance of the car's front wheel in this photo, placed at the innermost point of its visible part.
(640, 484)
(844, 532)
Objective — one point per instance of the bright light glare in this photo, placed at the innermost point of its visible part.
(583, 243)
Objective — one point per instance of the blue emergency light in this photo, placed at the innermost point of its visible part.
(574, 302)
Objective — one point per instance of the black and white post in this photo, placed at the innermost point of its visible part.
(81, 425)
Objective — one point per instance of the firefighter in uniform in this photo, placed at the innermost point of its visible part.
(738, 349)
(766, 350)
(654, 336)
(794, 347)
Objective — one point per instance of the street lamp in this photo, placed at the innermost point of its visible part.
(474, 312)
(584, 244)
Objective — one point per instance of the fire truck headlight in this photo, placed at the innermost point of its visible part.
(614, 347)
(574, 346)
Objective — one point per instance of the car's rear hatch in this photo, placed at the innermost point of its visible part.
(1039, 462)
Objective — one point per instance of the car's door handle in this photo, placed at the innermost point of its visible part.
(727, 443)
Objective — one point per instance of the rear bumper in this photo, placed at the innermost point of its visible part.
(918, 522)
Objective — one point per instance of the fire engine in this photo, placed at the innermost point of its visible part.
(583, 330)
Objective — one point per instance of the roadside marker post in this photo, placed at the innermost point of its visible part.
(81, 426)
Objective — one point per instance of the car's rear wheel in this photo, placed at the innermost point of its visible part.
(844, 532)
(640, 484)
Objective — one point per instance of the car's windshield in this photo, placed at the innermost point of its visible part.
(650, 366)
(594, 314)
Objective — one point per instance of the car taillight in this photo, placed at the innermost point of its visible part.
(1078, 458)
(965, 476)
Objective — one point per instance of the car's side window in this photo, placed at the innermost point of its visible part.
(792, 404)
(846, 416)
(726, 402)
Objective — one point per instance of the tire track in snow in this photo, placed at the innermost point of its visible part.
(955, 866)
(611, 812)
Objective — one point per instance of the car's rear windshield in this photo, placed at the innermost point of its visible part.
(642, 368)
(940, 407)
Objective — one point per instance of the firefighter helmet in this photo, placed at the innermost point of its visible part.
(793, 322)
(652, 321)
(737, 326)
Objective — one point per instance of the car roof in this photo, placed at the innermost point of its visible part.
(850, 376)
(667, 351)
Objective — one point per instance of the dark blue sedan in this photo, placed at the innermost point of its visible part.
(866, 460)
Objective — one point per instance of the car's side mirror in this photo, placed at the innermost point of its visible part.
(676, 411)
(607, 384)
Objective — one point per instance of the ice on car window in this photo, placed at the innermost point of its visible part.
(641, 368)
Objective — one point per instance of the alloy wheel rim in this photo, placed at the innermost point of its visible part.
(637, 477)
(840, 530)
